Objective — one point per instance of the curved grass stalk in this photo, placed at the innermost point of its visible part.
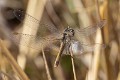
(73, 64)
(13, 63)
(46, 65)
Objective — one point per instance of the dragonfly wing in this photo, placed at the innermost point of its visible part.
(31, 21)
(89, 30)
(79, 48)
(36, 42)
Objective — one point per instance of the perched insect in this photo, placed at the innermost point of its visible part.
(67, 37)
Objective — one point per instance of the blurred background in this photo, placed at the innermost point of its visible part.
(48, 18)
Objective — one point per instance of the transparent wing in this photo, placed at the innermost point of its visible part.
(31, 21)
(36, 42)
(79, 48)
(90, 29)
(20, 15)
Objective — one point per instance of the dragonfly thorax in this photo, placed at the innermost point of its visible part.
(68, 34)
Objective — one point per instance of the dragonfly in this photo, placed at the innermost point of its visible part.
(66, 37)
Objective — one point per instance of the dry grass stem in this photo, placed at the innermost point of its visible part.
(103, 61)
(4, 75)
(52, 14)
(97, 51)
(31, 10)
(118, 78)
(82, 14)
(73, 64)
(31, 29)
(96, 60)
(118, 23)
(46, 66)
(12, 61)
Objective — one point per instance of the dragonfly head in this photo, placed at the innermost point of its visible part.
(69, 32)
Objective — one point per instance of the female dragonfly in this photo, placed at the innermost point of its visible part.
(66, 37)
